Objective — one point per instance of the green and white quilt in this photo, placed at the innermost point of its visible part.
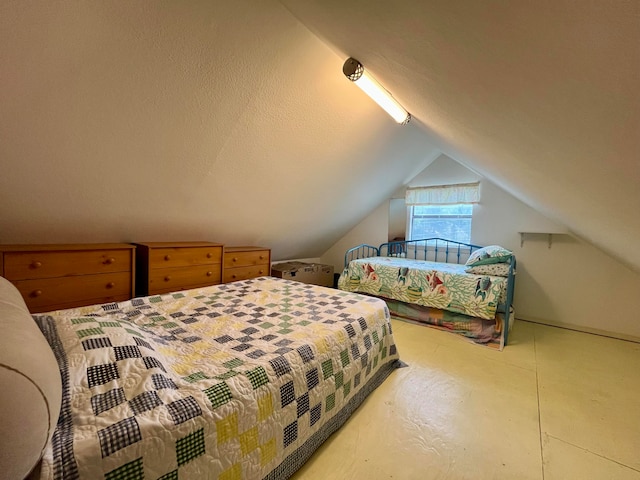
(232, 382)
(432, 284)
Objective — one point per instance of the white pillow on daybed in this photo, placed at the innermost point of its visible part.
(30, 387)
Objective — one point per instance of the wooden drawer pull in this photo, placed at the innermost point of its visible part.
(111, 285)
(233, 276)
(110, 261)
(209, 255)
(261, 257)
(36, 293)
(36, 264)
(209, 274)
(167, 257)
(167, 278)
(260, 272)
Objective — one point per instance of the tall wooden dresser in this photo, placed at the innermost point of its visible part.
(242, 263)
(57, 276)
(164, 267)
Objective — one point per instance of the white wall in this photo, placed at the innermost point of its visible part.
(208, 120)
(571, 284)
(372, 230)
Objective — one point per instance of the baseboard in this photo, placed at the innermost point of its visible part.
(580, 328)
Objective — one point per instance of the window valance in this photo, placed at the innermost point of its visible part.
(444, 194)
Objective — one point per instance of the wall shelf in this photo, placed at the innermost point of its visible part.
(549, 236)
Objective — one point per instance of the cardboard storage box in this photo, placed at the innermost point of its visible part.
(315, 273)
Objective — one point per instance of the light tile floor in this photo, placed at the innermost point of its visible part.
(555, 405)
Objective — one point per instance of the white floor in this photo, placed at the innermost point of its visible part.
(554, 405)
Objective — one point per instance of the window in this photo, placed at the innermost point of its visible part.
(452, 222)
(442, 211)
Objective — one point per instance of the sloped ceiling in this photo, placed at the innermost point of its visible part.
(540, 97)
(232, 122)
(170, 121)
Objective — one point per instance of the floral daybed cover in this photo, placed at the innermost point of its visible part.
(432, 284)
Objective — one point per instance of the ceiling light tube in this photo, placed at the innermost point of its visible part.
(355, 72)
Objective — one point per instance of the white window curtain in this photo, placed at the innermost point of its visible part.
(444, 194)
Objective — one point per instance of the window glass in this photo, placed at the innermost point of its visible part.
(452, 222)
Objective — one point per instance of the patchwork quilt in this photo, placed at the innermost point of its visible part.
(237, 381)
(432, 284)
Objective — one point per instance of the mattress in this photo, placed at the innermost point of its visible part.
(432, 284)
(237, 381)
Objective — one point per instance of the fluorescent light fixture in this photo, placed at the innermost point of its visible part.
(355, 72)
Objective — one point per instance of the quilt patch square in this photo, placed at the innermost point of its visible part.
(303, 404)
(315, 414)
(287, 394)
(129, 471)
(190, 447)
(218, 394)
(350, 330)
(144, 402)
(173, 475)
(363, 324)
(195, 377)
(344, 358)
(152, 362)
(118, 436)
(305, 353)
(330, 402)
(327, 368)
(249, 440)
(258, 377)
(290, 433)
(106, 401)
(160, 382)
(313, 379)
(127, 351)
(89, 331)
(94, 343)
(101, 374)
(142, 343)
(183, 410)
(280, 365)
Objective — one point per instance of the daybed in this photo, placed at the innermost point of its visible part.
(236, 381)
(464, 287)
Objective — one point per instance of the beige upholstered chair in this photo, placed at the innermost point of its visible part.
(30, 387)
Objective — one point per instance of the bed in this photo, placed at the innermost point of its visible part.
(235, 381)
(461, 287)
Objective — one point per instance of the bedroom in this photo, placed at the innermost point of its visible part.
(105, 106)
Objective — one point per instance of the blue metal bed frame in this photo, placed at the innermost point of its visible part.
(435, 250)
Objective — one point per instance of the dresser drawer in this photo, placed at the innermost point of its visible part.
(50, 264)
(234, 259)
(184, 256)
(244, 273)
(44, 294)
(182, 278)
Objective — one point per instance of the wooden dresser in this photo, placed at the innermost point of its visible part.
(53, 277)
(242, 263)
(164, 267)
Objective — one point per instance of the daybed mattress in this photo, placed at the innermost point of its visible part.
(236, 381)
(433, 284)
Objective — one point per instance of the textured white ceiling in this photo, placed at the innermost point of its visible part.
(200, 120)
(232, 121)
(541, 97)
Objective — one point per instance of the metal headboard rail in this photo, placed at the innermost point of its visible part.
(421, 249)
(361, 251)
